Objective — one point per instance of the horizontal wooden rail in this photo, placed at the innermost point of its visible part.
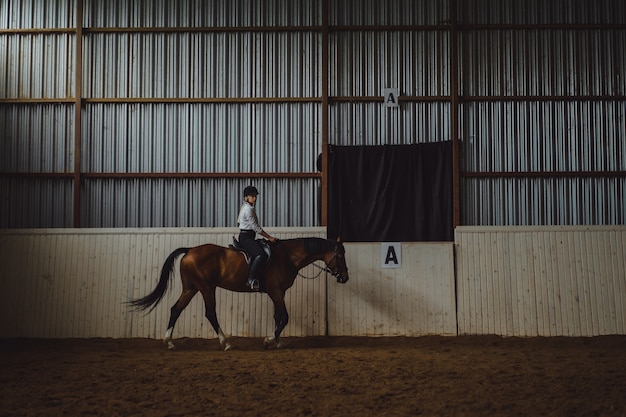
(161, 175)
(545, 174)
(443, 26)
(200, 100)
(191, 175)
(331, 99)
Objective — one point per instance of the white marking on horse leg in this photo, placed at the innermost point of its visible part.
(223, 342)
(168, 339)
(269, 342)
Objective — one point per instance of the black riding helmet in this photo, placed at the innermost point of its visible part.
(250, 190)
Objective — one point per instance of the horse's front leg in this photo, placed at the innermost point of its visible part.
(211, 315)
(281, 318)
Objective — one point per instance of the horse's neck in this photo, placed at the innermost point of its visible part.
(301, 258)
(309, 258)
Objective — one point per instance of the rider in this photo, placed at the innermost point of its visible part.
(248, 228)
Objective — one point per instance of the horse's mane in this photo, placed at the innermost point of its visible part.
(317, 245)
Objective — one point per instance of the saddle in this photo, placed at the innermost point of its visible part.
(264, 244)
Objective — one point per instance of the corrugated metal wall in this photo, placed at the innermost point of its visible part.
(200, 13)
(189, 138)
(239, 102)
(146, 202)
(542, 12)
(545, 100)
(541, 281)
(236, 87)
(546, 201)
(199, 65)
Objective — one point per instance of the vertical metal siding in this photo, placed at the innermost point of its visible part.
(197, 202)
(252, 137)
(31, 14)
(122, 138)
(504, 135)
(529, 281)
(545, 135)
(541, 62)
(192, 65)
(538, 136)
(414, 62)
(388, 12)
(542, 12)
(356, 124)
(36, 65)
(36, 139)
(22, 200)
(366, 62)
(197, 13)
(544, 201)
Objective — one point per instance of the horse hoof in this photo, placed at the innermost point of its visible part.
(171, 346)
(271, 343)
(227, 347)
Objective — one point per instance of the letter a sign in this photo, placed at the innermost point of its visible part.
(391, 255)
(390, 96)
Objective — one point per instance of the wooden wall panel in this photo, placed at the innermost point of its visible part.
(417, 299)
(518, 281)
(541, 281)
(75, 283)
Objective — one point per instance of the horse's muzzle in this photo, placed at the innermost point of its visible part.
(342, 279)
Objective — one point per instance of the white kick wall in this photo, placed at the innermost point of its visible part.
(514, 281)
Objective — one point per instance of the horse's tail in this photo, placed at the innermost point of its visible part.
(155, 296)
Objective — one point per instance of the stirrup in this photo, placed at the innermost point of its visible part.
(253, 284)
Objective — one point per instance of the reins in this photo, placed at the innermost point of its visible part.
(321, 268)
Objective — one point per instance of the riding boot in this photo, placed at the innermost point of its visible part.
(255, 273)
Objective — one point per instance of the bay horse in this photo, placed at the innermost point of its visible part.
(206, 267)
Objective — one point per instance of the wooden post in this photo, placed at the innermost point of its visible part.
(78, 110)
(325, 69)
(454, 114)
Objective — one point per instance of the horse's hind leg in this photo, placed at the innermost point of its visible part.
(177, 309)
(211, 315)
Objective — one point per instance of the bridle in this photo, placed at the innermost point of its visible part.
(334, 272)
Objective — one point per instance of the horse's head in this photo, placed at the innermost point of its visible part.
(336, 263)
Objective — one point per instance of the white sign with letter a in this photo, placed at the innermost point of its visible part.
(390, 96)
(391, 255)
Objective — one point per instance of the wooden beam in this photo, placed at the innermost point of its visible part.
(454, 116)
(78, 87)
(324, 110)
(192, 100)
(168, 175)
(191, 175)
(546, 174)
(204, 29)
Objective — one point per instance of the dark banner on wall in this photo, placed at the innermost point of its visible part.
(390, 193)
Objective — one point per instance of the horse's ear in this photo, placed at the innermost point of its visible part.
(338, 239)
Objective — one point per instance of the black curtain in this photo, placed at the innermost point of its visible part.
(390, 193)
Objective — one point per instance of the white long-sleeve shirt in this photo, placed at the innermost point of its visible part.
(247, 218)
